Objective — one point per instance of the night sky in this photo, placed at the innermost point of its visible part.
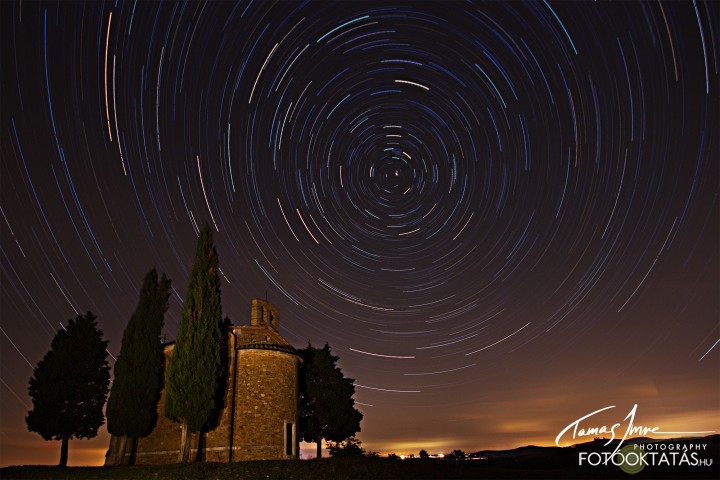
(500, 216)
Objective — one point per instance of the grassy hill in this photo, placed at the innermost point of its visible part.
(353, 468)
(522, 463)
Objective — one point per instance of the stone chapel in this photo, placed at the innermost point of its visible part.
(259, 417)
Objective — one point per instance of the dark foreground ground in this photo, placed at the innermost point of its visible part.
(561, 466)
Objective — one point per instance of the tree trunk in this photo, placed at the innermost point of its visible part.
(121, 449)
(184, 456)
(131, 450)
(319, 447)
(198, 443)
(111, 458)
(64, 451)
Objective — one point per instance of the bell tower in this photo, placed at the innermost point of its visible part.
(264, 314)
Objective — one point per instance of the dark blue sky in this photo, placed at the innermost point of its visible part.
(500, 216)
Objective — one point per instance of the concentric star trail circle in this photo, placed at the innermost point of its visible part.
(456, 196)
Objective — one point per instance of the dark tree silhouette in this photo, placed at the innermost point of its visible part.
(327, 409)
(132, 406)
(195, 367)
(424, 454)
(70, 384)
(457, 454)
(350, 447)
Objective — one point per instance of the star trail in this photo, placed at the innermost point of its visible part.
(497, 214)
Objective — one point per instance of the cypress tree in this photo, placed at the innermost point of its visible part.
(195, 366)
(132, 406)
(70, 384)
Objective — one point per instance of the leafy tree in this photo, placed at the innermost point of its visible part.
(70, 384)
(457, 455)
(326, 409)
(195, 368)
(424, 454)
(132, 406)
(350, 447)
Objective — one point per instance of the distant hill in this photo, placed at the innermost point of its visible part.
(533, 451)
(563, 462)
(527, 451)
